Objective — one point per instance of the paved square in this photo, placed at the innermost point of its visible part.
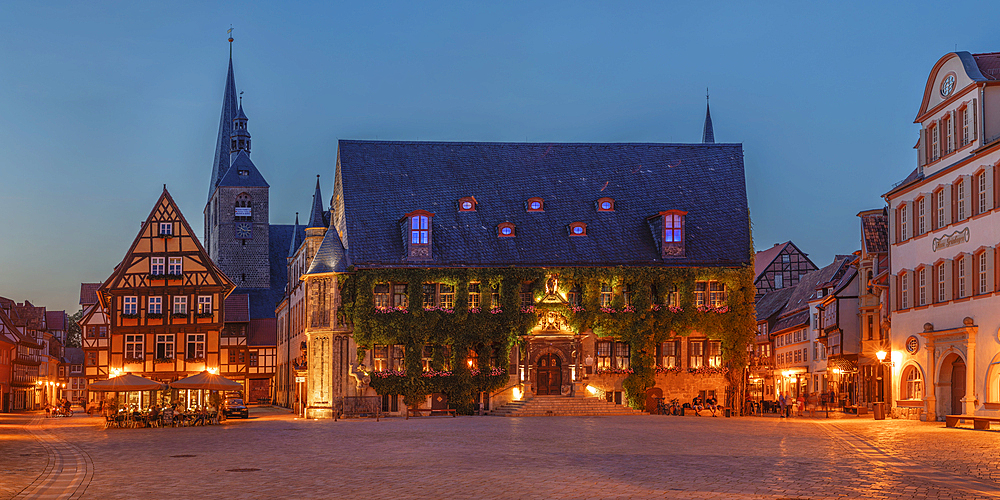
(491, 457)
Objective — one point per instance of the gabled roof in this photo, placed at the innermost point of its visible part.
(295, 241)
(330, 258)
(875, 232)
(234, 179)
(378, 182)
(773, 302)
(237, 308)
(88, 293)
(222, 145)
(764, 258)
(73, 355)
(165, 209)
(988, 65)
(55, 320)
(798, 302)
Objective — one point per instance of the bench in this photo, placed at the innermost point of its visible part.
(856, 410)
(416, 412)
(979, 423)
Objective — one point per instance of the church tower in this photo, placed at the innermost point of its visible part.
(236, 216)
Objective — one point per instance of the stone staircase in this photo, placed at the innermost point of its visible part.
(551, 406)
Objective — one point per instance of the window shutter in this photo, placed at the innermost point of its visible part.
(922, 148)
(973, 128)
(949, 268)
(990, 270)
(910, 230)
(954, 129)
(989, 187)
(947, 205)
(969, 185)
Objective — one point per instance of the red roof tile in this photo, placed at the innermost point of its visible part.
(263, 332)
(55, 320)
(764, 258)
(88, 293)
(875, 233)
(989, 65)
(238, 308)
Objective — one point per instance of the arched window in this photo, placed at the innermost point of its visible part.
(605, 205)
(912, 383)
(578, 229)
(505, 230)
(535, 204)
(243, 208)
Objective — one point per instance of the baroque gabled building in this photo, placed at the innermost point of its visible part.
(163, 304)
(943, 216)
(464, 273)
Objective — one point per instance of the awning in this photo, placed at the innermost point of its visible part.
(207, 381)
(126, 383)
(845, 365)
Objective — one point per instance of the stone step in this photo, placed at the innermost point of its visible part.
(541, 406)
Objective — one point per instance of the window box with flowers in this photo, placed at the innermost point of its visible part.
(170, 276)
(154, 315)
(179, 315)
(205, 315)
(130, 316)
(156, 276)
(387, 310)
(662, 370)
(195, 360)
(163, 360)
(614, 371)
(134, 359)
(707, 370)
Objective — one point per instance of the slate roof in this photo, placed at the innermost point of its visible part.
(771, 303)
(795, 320)
(295, 241)
(798, 302)
(237, 308)
(223, 144)
(708, 133)
(318, 216)
(263, 332)
(875, 233)
(88, 293)
(378, 182)
(73, 355)
(242, 162)
(330, 257)
(263, 301)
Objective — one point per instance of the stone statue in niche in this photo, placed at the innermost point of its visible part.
(551, 285)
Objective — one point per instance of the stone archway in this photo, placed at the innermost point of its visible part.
(951, 387)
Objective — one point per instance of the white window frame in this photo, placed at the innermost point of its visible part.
(166, 228)
(965, 126)
(922, 287)
(960, 194)
(156, 265)
(961, 277)
(902, 223)
(155, 305)
(180, 305)
(204, 304)
(168, 343)
(133, 346)
(195, 348)
(940, 209)
(904, 286)
(921, 216)
(983, 268)
(130, 305)
(175, 265)
(941, 283)
(935, 144)
(981, 180)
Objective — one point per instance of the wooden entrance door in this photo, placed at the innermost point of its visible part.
(549, 375)
(260, 390)
(957, 386)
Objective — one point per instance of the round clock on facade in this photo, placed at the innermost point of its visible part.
(243, 230)
(947, 85)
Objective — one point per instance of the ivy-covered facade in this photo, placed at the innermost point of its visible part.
(457, 274)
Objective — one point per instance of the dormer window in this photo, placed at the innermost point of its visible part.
(605, 205)
(467, 204)
(578, 229)
(418, 226)
(536, 205)
(505, 230)
(166, 229)
(673, 233)
(243, 173)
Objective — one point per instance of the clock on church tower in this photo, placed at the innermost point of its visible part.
(244, 230)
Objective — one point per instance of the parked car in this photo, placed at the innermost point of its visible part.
(234, 407)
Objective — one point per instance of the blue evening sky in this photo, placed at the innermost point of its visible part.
(103, 103)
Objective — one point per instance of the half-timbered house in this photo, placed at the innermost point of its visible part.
(164, 303)
(779, 267)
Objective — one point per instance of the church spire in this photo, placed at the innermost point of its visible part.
(316, 217)
(223, 142)
(708, 133)
(241, 136)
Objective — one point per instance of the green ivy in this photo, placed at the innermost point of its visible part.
(461, 330)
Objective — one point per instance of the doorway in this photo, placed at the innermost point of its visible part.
(549, 375)
(957, 386)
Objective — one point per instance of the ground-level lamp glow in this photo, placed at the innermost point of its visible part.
(213, 371)
(115, 372)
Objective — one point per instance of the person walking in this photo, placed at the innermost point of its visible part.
(781, 403)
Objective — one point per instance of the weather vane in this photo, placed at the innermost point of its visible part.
(241, 98)
(230, 33)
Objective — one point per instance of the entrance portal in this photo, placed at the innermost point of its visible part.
(549, 373)
(957, 386)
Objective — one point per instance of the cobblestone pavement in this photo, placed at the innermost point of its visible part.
(272, 455)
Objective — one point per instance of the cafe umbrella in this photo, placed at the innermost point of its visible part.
(207, 381)
(125, 382)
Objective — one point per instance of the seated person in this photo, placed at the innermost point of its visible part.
(711, 404)
(697, 406)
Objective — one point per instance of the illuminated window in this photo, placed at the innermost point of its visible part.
(604, 354)
(382, 296)
(380, 358)
(715, 354)
(605, 205)
(672, 229)
(700, 287)
(467, 204)
(474, 296)
(717, 293)
(205, 304)
(578, 229)
(605, 295)
(505, 230)
(623, 355)
(535, 205)
(669, 354)
(696, 354)
(913, 384)
(419, 233)
(447, 296)
(399, 296)
(495, 296)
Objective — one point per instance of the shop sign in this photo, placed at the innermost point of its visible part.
(912, 344)
(950, 240)
(299, 379)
